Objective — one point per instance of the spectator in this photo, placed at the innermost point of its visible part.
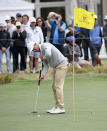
(9, 25)
(13, 21)
(19, 37)
(95, 43)
(77, 29)
(19, 17)
(40, 22)
(69, 54)
(34, 35)
(47, 24)
(57, 37)
(25, 25)
(84, 35)
(10, 29)
(77, 36)
(5, 47)
(25, 21)
(105, 32)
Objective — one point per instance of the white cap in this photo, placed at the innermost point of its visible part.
(7, 18)
(105, 18)
(32, 19)
(96, 17)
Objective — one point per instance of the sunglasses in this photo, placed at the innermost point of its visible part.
(39, 21)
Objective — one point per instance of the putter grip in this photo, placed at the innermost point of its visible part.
(39, 78)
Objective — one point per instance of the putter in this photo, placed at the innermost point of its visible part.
(37, 94)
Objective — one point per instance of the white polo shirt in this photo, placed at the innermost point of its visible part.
(35, 35)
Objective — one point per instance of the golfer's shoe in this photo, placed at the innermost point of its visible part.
(57, 111)
(48, 111)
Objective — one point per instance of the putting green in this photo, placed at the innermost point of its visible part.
(17, 102)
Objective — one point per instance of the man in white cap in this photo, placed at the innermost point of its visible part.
(34, 35)
(105, 32)
(51, 56)
(10, 26)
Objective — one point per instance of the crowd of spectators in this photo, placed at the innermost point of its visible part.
(18, 34)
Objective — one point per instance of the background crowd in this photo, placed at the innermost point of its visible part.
(18, 34)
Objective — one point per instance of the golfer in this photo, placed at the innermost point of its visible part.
(50, 55)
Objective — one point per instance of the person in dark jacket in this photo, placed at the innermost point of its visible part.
(5, 47)
(19, 37)
(69, 54)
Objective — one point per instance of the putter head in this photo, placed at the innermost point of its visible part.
(34, 112)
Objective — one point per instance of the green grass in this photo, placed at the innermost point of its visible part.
(17, 102)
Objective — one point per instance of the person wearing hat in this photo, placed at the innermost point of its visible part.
(4, 46)
(77, 53)
(19, 36)
(13, 21)
(76, 34)
(7, 19)
(34, 35)
(19, 17)
(52, 57)
(105, 32)
(9, 25)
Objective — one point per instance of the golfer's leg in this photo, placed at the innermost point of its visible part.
(59, 82)
(53, 87)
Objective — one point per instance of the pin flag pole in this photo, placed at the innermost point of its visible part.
(73, 80)
(74, 114)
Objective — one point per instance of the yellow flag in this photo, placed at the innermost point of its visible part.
(83, 18)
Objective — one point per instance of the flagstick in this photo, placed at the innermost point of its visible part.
(73, 80)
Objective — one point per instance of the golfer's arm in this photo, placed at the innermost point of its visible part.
(47, 53)
(45, 68)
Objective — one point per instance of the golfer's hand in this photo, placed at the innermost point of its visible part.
(42, 78)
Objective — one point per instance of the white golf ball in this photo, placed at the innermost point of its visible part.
(38, 115)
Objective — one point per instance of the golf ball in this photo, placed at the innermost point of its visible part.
(38, 115)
